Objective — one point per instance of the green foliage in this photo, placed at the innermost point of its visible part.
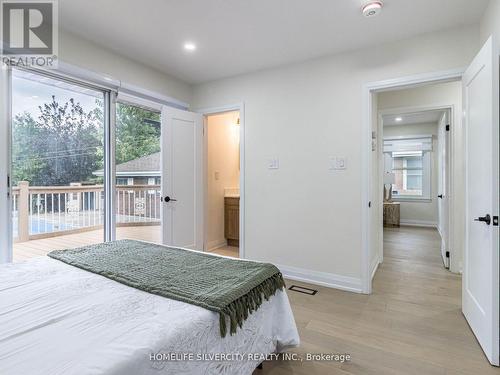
(59, 146)
(134, 136)
(64, 143)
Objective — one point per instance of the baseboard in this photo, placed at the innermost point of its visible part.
(419, 223)
(439, 230)
(216, 244)
(330, 280)
(375, 268)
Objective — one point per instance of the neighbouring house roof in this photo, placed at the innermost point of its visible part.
(144, 166)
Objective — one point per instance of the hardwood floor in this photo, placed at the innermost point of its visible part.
(411, 324)
(228, 251)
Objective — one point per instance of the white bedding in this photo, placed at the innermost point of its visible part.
(58, 319)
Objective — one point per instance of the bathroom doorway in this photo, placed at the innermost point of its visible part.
(222, 190)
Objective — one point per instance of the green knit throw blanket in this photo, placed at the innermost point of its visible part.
(234, 288)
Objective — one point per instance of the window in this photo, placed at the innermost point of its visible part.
(409, 160)
(57, 160)
(138, 160)
(121, 181)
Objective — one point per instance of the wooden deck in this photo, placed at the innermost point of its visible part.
(30, 249)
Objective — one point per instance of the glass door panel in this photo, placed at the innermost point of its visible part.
(138, 176)
(57, 162)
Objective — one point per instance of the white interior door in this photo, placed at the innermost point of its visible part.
(480, 289)
(443, 185)
(182, 188)
(5, 207)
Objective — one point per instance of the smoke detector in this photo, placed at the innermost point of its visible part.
(372, 8)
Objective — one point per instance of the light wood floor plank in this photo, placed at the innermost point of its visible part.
(411, 324)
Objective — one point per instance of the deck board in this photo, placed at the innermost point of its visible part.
(30, 249)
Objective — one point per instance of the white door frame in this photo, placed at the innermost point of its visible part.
(380, 134)
(6, 252)
(366, 153)
(213, 111)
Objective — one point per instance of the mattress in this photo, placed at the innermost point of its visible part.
(59, 319)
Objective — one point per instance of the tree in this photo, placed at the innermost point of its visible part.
(27, 145)
(62, 145)
(137, 133)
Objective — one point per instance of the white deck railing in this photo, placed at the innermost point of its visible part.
(46, 211)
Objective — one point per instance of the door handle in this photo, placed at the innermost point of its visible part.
(168, 199)
(440, 196)
(485, 219)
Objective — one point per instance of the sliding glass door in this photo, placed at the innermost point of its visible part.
(138, 173)
(57, 162)
(78, 175)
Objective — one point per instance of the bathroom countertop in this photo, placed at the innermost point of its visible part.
(231, 192)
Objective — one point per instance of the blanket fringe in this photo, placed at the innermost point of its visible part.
(239, 310)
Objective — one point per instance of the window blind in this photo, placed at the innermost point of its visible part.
(408, 144)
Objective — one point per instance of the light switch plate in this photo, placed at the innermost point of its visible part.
(338, 163)
(273, 163)
(341, 163)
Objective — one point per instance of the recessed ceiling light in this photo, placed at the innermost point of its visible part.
(189, 46)
(372, 8)
(398, 119)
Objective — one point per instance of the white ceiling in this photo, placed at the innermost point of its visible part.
(239, 36)
(427, 117)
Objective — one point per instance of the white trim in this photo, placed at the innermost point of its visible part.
(375, 268)
(213, 111)
(112, 83)
(419, 223)
(215, 244)
(132, 174)
(5, 164)
(366, 151)
(110, 166)
(135, 101)
(331, 280)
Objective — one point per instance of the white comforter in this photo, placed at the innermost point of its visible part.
(58, 319)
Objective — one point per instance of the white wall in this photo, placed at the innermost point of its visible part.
(84, 54)
(444, 94)
(490, 22)
(303, 215)
(424, 213)
(223, 160)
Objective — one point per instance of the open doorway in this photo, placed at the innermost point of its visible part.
(472, 289)
(222, 207)
(417, 159)
(415, 168)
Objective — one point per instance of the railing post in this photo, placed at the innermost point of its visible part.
(23, 211)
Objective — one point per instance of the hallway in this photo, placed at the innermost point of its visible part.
(411, 324)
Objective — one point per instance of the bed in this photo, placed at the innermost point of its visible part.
(60, 319)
